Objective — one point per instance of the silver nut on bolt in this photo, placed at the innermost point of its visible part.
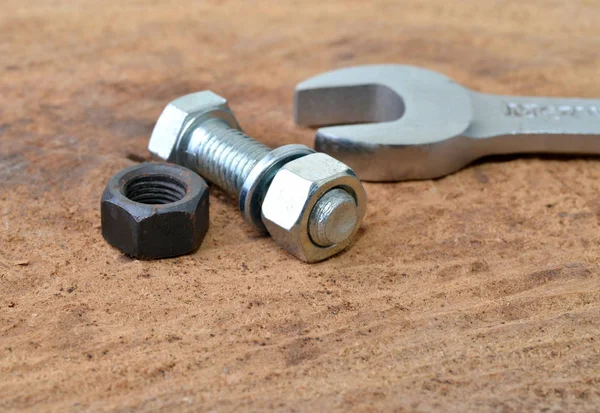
(313, 206)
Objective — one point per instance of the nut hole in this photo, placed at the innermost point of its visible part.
(155, 189)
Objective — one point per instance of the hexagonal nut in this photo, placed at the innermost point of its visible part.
(180, 117)
(155, 210)
(292, 196)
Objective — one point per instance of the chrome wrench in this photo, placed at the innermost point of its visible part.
(398, 122)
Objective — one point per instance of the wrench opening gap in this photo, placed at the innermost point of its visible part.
(371, 103)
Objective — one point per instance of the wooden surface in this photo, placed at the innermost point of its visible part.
(476, 292)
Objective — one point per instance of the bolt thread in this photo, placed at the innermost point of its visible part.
(224, 155)
(155, 189)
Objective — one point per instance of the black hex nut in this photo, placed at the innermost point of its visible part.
(155, 210)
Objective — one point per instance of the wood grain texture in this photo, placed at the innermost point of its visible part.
(476, 292)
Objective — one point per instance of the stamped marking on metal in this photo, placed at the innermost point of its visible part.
(535, 110)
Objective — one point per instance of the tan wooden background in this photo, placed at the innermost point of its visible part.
(476, 292)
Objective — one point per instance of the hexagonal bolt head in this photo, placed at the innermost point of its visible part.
(289, 205)
(155, 210)
(181, 116)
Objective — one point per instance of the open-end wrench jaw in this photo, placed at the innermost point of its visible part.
(392, 121)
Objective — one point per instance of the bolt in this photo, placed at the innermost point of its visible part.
(309, 202)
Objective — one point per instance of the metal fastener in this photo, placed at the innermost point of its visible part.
(309, 202)
(155, 210)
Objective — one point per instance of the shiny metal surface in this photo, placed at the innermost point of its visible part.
(200, 132)
(333, 218)
(257, 182)
(313, 187)
(395, 122)
(176, 123)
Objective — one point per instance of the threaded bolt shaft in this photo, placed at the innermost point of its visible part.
(223, 155)
(226, 156)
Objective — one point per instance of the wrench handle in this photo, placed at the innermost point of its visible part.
(520, 124)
